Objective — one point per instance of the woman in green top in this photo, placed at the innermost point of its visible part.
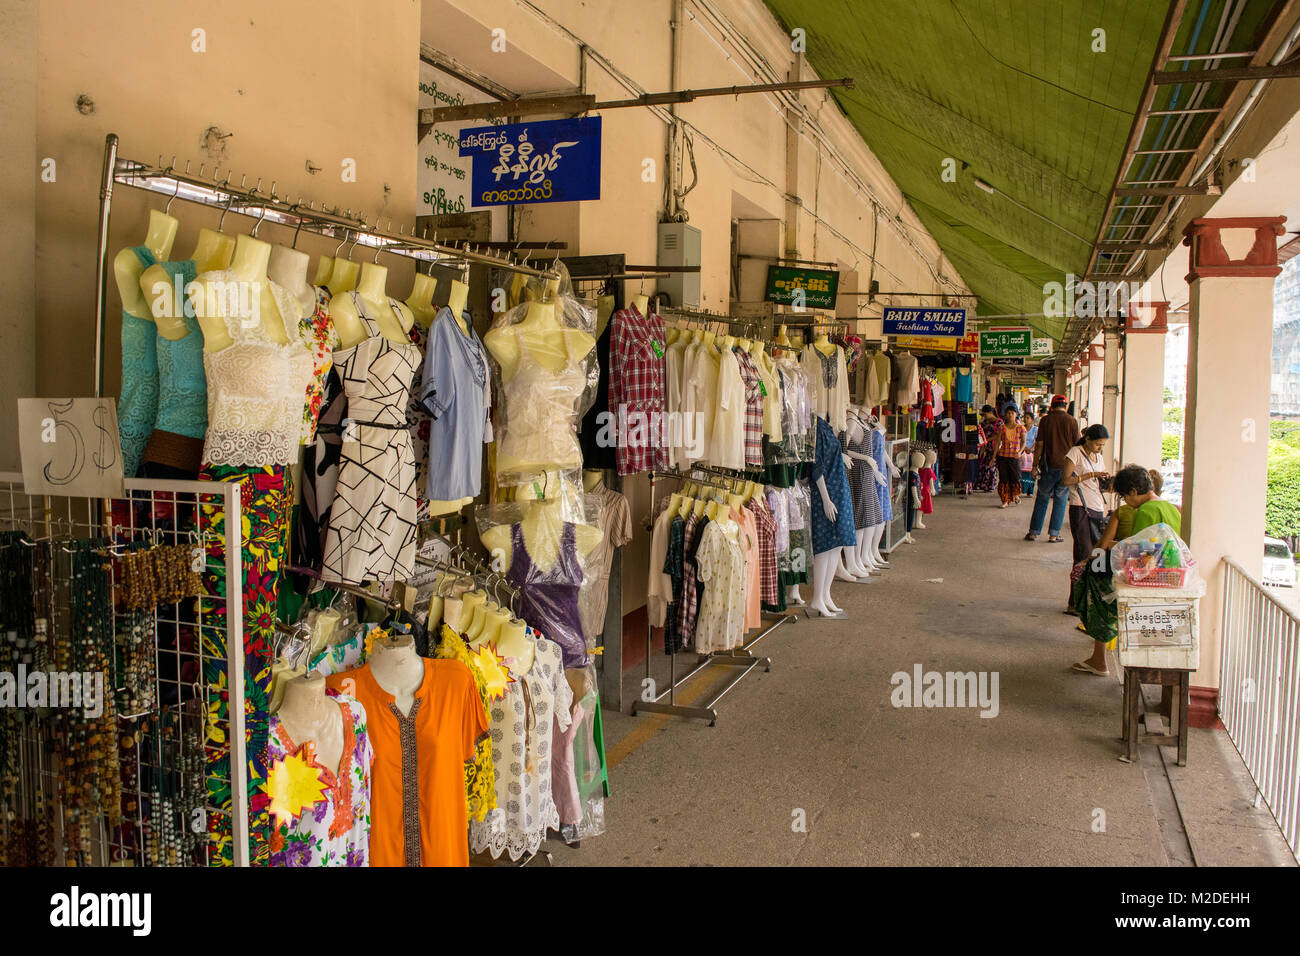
(1138, 488)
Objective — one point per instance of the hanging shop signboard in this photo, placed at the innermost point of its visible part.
(442, 176)
(970, 344)
(802, 288)
(1005, 343)
(933, 343)
(546, 161)
(925, 322)
(1009, 362)
(1041, 348)
(70, 446)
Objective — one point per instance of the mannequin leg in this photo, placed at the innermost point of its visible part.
(845, 570)
(865, 557)
(792, 596)
(824, 566)
(878, 535)
(854, 566)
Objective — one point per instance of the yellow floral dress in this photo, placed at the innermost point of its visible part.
(480, 773)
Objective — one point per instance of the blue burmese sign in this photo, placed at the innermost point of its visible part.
(546, 161)
(921, 321)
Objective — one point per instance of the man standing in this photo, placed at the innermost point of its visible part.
(1058, 432)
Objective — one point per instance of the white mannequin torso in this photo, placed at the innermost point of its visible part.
(309, 716)
(398, 669)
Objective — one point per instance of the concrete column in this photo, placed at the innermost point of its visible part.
(1233, 265)
(1110, 391)
(1096, 379)
(1142, 408)
(1060, 379)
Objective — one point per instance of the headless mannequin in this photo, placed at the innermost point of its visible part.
(420, 301)
(398, 669)
(128, 269)
(641, 302)
(865, 536)
(604, 309)
(824, 345)
(393, 318)
(309, 716)
(249, 267)
(323, 269)
(540, 338)
(543, 527)
(343, 276)
(931, 458)
(917, 461)
(851, 568)
(457, 296)
(213, 251)
(287, 268)
(824, 565)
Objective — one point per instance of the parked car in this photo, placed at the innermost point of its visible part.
(1279, 563)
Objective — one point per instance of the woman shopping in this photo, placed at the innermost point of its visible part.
(988, 472)
(1084, 472)
(1009, 443)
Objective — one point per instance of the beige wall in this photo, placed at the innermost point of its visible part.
(18, 157)
(291, 82)
(1142, 406)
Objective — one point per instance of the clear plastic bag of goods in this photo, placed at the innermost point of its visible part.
(1154, 557)
(545, 557)
(545, 376)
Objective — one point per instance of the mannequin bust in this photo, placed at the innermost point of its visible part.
(824, 345)
(310, 716)
(249, 266)
(781, 337)
(604, 309)
(542, 526)
(287, 268)
(591, 477)
(212, 251)
(323, 269)
(457, 296)
(128, 269)
(343, 275)
(917, 462)
(393, 318)
(398, 669)
(641, 302)
(420, 301)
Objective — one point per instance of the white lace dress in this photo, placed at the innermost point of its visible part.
(522, 725)
(256, 387)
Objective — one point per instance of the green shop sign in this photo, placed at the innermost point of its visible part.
(802, 288)
(1005, 343)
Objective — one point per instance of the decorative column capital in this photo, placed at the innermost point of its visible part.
(1096, 353)
(1253, 241)
(1147, 317)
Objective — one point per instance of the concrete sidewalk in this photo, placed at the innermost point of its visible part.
(811, 764)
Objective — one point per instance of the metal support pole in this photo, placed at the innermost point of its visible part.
(101, 257)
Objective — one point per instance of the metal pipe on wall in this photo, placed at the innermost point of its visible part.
(101, 257)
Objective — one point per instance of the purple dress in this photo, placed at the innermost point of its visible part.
(549, 599)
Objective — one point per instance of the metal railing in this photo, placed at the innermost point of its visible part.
(1259, 693)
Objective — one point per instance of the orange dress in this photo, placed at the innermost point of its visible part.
(417, 802)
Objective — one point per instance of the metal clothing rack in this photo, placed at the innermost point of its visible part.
(221, 193)
(736, 657)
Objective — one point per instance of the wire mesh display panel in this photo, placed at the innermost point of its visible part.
(161, 779)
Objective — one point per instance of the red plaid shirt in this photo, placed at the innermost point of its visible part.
(765, 526)
(753, 408)
(636, 384)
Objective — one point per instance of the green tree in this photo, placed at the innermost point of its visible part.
(1173, 413)
(1170, 447)
(1282, 507)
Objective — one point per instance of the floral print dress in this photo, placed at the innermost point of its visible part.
(334, 828)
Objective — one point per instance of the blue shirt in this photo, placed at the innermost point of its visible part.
(453, 393)
(1030, 436)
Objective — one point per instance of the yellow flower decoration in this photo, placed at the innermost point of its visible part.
(293, 785)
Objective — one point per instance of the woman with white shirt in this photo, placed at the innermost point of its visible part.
(1083, 473)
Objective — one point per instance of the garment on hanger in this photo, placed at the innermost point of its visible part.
(720, 566)
(616, 530)
(451, 396)
(522, 727)
(417, 807)
(765, 528)
(753, 417)
(637, 389)
(926, 481)
(317, 331)
(828, 384)
(658, 586)
(700, 371)
(674, 404)
(321, 459)
(905, 375)
(137, 407)
(727, 442)
(540, 408)
(596, 451)
(549, 598)
(828, 464)
(674, 567)
(371, 533)
(182, 420)
(688, 611)
(772, 398)
(964, 390)
(749, 545)
(480, 773)
(334, 829)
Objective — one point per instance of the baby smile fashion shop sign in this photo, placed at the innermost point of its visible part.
(547, 161)
(944, 323)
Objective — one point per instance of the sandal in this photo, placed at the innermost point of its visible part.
(1083, 667)
(1031, 537)
(1054, 539)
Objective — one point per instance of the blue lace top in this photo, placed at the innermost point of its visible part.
(182, 383)
(138, 406)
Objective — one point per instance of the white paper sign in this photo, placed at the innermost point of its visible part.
(443, 176)
(1039, 346)
(1157, 625)
(70, 446)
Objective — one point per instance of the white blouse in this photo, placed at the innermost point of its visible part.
(727, 443)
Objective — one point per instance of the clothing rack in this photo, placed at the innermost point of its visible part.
(359, 593)
(221, 193)
(738, 657)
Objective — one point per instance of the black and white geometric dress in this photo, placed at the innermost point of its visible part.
(372, 524)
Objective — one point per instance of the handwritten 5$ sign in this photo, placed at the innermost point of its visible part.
(70, 446)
